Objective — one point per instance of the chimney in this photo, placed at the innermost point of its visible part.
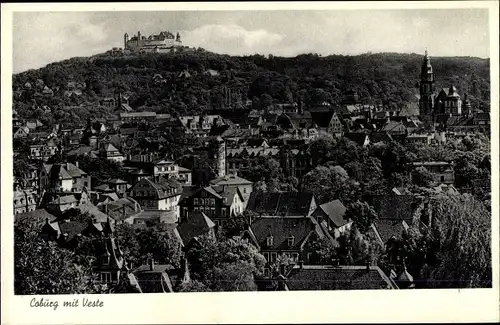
(151, 264)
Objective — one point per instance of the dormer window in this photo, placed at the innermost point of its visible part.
(270, 241)
(291, 241)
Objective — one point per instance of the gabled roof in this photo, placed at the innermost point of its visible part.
(67, 199)
(154, 281)
(280, 204)
(196, 224)
(93, 211)
(37, 217)
(386, 228)
(57, 171)
(71, 228)
(335, 211)
(281, 229)
(326, 277)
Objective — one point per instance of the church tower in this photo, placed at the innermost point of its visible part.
(426, 102)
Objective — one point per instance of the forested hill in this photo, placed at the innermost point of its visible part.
(157, 82)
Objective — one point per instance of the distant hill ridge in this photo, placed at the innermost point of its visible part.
(188, 82)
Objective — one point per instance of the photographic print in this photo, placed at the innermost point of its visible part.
(222, 151)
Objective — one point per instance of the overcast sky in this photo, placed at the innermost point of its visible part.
(40, 38)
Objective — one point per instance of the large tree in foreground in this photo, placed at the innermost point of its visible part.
(44, 268)
(456, 251)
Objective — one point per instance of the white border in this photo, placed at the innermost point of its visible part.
(294, 307)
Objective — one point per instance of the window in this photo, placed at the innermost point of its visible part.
(244, 190)
(196, 209)
(266, 255)
(309, 256)
(212, 201)
(290, 241)
(202, 202)
(442, 178)
(195, 201)
(267, 272)
(223, 212)
(273, 257)
(212, 212)
(106, 277)
(105, 260)
(295, 256)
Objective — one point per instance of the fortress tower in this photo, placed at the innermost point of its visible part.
(220, 157)
(125, 41)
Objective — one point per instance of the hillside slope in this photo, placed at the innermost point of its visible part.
(214, 80)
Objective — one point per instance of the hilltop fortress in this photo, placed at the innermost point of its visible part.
(162, 42)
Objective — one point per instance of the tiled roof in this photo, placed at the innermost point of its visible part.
(280, 204)
(155, 281)
(93, 211)
(231, 180)
(386, 228)
(335, 210)
(64, 200)
(380, 137)
(57, 171)
(196, 224)
(72, 228)
(283, 228)
(325, 277)
(37, 217)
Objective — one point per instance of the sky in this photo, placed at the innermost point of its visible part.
(40, 38)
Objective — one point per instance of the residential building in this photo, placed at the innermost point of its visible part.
(110, 152)
(194, 225)
(163, 194)
(442, 171)
(234, 181)
(24, 201)
(330, 215)
(284, 236)
(217, 202)
(63, 177)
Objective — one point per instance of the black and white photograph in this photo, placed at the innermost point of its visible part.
(184, 151)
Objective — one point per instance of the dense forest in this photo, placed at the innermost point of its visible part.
(156, 82)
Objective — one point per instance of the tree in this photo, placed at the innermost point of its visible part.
(422, 177)
(330, 183)
(44, 268)
(164, 247)
(362, 214)
(129, 244)
(228, 265)
(356, 248)
(458, 244)
(323, 251)
(193, 286)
